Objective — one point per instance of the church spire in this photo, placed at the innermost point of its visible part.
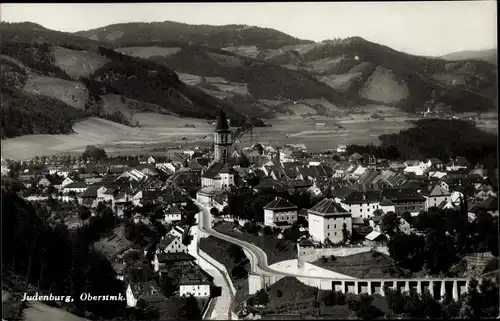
(222, 123)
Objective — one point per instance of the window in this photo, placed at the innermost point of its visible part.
(328, 233)
(334, 225)
(328, 226)
(335, 233)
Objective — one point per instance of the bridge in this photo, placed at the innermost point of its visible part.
(262, 275)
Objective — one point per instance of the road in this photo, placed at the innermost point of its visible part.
(220, 305)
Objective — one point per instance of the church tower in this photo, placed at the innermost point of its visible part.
(222, 139)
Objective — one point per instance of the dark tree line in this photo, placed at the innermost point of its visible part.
(58, 260)
(444, 237)
(24, 114)
(445, 139)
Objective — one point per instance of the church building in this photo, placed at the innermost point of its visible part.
(219, 174)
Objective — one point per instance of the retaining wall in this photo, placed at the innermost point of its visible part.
(219, 266)
(314, 254)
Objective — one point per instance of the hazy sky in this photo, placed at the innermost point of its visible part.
(423, 28)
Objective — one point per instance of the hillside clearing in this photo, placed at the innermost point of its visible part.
(383, 87)
(340, 82)
(71, 93)
(155, 128)
(147, 52)
(78, 63)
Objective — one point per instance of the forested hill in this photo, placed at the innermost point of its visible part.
(125, 34)
(64, 78)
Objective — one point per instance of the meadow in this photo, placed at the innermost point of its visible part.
(114, 137)
(157, 132)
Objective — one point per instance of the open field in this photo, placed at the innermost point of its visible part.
(382, 86)
(155, 129)
(147, 52)
(71, 93)
(78, 63)
(355, 129)
(269, 244)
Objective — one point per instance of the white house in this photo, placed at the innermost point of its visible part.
(171, 244)
(63, 172)
(145, 291)
(67, 181)
(341, 148)
(435, 195)
(280, 213)
(219, 176)
(326, 221)
(77, 187)
(361, 204)
(197, 287)
(386, 206)
(418, 168)
(314, 190)
(151, 160)
(172, 214)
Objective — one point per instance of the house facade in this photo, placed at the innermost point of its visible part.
(435, 196)
(404, 199)
(361, 204)
(280, 213)
(326, 221)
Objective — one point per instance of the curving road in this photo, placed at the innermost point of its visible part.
(258, 258)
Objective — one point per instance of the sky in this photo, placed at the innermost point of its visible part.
(420, 28)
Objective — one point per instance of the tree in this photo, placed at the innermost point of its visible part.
(317, 306)
(329, 298)
(236, 253)
(267, 230)
(345, 233)
(214, 211)
(243, 161)
(261, 297)
(167, 285)
(190, 310)
(408, 250)
(83, 213)
(94, 153)
(390, 224)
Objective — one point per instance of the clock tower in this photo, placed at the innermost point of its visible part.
(222, 139)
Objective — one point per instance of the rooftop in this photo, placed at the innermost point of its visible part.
(222, 123)
(279, 203)
(328, 207)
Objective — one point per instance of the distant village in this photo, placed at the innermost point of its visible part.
(353, 192)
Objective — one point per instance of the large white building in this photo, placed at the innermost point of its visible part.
(280, 213)
(196, 287)
(361, 204)
(326, 221)
(436, 195)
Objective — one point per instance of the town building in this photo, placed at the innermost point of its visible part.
(326, 221)
(361, 204)
(435, 196)
(280, 213)
(404, 200)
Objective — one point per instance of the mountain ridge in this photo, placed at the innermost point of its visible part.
(244, 71)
